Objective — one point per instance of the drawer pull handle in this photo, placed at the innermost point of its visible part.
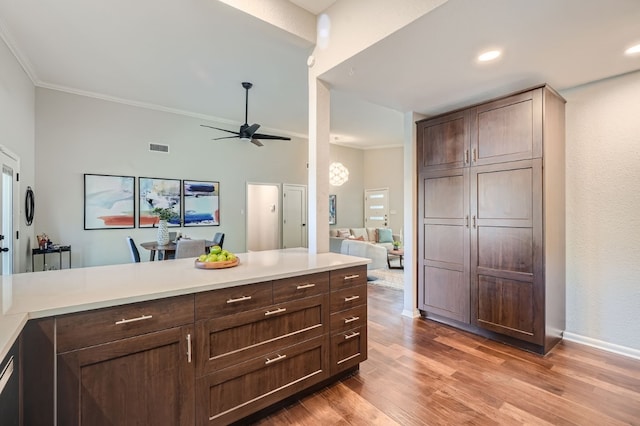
(276, 359)
(351, 336)
(141, 318)
(239, 299)
(275, 311)
(349, 299)
(351, 277)
(352, 319)
(303, 286)
(189, 348)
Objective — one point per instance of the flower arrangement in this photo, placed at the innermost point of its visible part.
(164, 213)
(396, 245)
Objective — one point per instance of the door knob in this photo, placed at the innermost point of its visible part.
(4, 249)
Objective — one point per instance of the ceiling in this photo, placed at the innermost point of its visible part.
(190, 57)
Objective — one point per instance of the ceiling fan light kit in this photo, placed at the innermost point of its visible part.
(248, 133)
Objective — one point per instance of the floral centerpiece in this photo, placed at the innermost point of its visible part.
(165, 215)
(396, 245)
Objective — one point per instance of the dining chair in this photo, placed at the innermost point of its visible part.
(189, 248)
(135, 254)
(218, 239)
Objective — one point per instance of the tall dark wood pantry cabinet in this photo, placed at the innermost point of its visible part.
(491, 214)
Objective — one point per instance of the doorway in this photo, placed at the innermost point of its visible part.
(294, 216)
(376, 208)
(263, 216)
(9, 211)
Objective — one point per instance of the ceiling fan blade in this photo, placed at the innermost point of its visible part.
(226, 137)
(252, 129)
(218, 128)
(256, 142)
(261, 136)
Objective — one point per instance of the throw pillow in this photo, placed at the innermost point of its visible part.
(385, 235)
(371, 234)
(343, 233)
(359, 232)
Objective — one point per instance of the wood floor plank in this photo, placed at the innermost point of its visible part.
(420, 372)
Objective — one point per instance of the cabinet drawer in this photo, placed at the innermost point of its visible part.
(233, 393)
(229, 340)
(351, 318)
(348, 298)
(90, 328)
(348, 277)
(299, 287)
(227, 301)
(348, 349)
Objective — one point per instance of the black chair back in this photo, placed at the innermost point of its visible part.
(135, 255)
(218, 239)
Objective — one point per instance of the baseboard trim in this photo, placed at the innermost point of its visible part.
(411, 313)
(605, 346)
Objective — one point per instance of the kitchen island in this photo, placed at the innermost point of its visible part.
(166, 343)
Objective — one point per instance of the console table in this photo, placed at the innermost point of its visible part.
(44, 252)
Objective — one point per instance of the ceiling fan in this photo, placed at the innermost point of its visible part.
(247, 133)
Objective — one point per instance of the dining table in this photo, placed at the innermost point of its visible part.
(165, 250)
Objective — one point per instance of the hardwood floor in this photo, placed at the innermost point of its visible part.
(422, 373)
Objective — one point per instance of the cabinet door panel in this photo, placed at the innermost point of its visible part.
(348, 298)
(348, 349)
(447, 293)
(443, 142)
(508, 129)
(348, 277)
(84, 329)
(233, 393)
(505, 194)
(140, 380)
(443, 256)
(298, 287)
(228, 340)
(508, 307)
(351, 318)
(232, 300)
(445, 243)
(443, 197)
(506, 249)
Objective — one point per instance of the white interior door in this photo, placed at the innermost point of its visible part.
(294, 216)
(263, 216)
(9, 212)
(376, 208)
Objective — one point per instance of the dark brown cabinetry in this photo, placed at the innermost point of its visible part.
(491, 206)
(348, 318)
(262, 343)
(135, 367)
(214, 357)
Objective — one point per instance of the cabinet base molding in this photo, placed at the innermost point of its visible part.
(298, 396)
(527, 346)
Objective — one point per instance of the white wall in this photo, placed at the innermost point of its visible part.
(603, 211)
(17, 100)
(383, 168)
(350, 195)
(77, 135)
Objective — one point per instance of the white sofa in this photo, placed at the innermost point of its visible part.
(375, 252)
(363, 242)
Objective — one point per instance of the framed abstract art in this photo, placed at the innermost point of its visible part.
(201, 203)
(109, 201)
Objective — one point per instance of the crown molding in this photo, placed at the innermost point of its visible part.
(26, 65)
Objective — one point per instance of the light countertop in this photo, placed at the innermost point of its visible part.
(44, 294)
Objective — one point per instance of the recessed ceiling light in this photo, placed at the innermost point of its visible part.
(489, 55)
(633, 50)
